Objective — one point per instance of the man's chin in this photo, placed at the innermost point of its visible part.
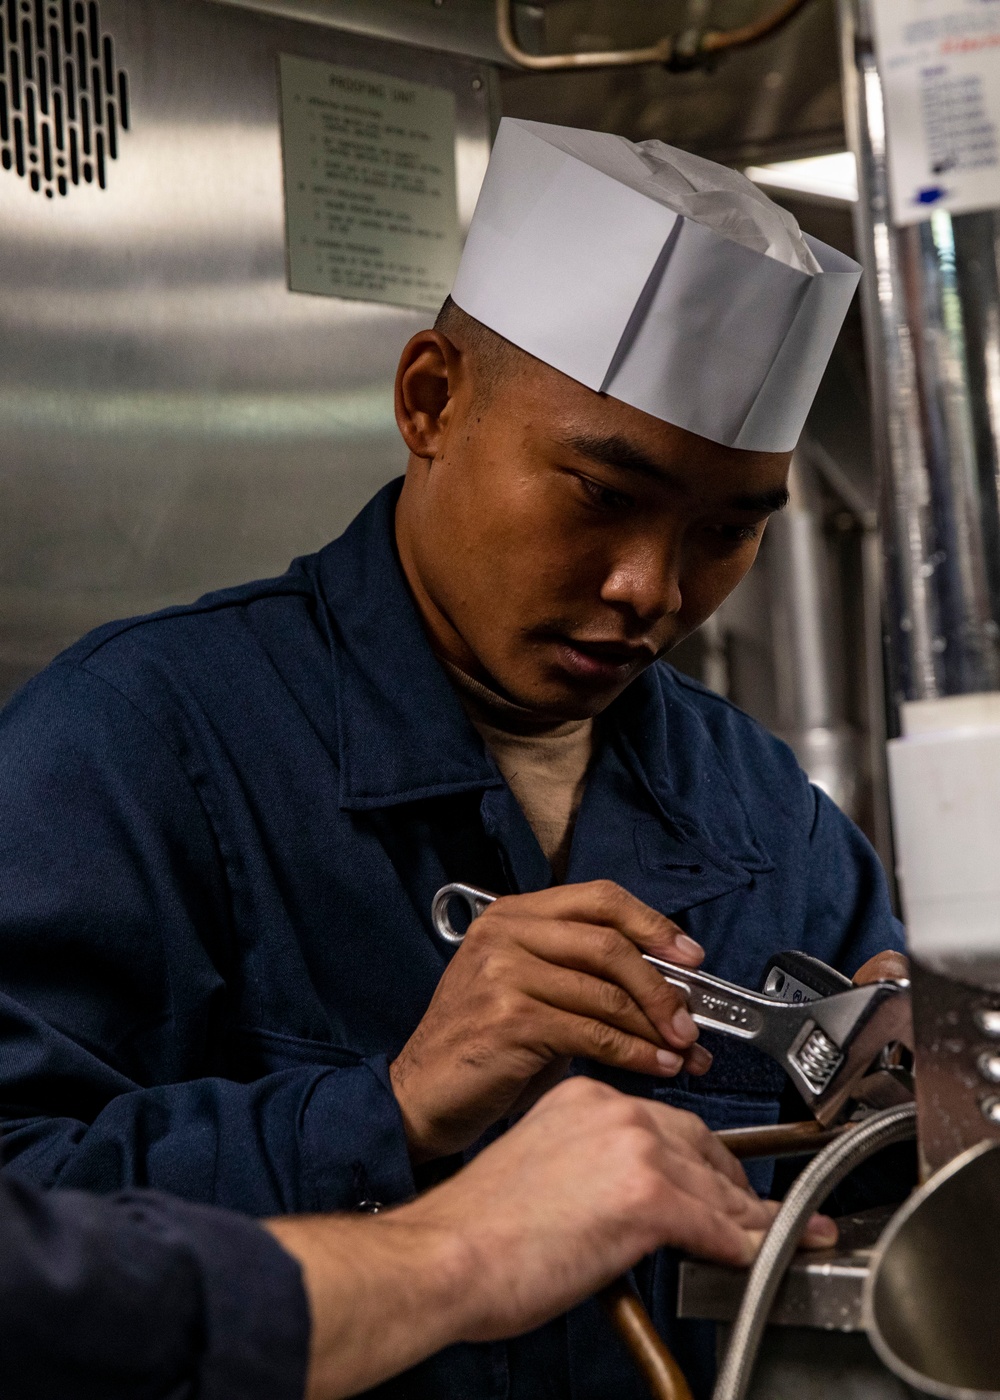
(559, 699)
(561, 684)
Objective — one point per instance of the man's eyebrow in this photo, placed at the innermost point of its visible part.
(763, 502)
(616, 451)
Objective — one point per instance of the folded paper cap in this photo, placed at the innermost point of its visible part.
(662, 279)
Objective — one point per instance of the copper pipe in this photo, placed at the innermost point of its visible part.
(653, 1360)
(717, 40)
(779, 1139)
(684, 50)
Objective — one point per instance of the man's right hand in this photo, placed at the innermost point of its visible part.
(539, 979)
(586, 1184)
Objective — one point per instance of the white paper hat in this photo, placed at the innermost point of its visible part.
(662, 279)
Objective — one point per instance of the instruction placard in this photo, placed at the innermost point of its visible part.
(940, 66)
(370, 194)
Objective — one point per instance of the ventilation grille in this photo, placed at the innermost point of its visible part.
(63, 101)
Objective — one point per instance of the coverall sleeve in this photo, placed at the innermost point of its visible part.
(138, 1296)
(117, 961)
(849, 905)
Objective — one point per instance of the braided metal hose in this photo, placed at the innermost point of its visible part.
(811, 1187)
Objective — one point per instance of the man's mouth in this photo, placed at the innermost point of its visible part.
(607, 661)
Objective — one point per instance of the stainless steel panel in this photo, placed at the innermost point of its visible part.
(467, 27)
(172, 418)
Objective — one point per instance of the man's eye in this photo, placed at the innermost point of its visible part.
(603, 496)
(735, 534)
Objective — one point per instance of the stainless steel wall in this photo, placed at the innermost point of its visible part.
(172, 418)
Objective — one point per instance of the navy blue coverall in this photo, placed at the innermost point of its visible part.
(221, 828)
(141, 1297)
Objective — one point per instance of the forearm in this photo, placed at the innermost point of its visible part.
(384, 1293)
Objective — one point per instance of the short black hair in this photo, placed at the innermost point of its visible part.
(494, 358)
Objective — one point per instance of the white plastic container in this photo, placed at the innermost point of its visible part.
(944, 779)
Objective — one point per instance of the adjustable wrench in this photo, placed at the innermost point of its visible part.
(830, 1046)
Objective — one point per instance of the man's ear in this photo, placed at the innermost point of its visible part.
(429, 371)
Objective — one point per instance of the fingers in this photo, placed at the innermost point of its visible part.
(699, 1178)
(713, 1200)
(711, 1234)
(569, 1033)
(889, 966)
(820, 1233)
(607, 978)
(677, 1125)
(603, 902)
(594, 935)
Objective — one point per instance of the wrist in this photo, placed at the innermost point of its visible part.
(455, 1269)
(423, 1140)
(446, 1268)
(384, 1293)
(414, 1129)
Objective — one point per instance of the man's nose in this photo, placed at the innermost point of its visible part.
(647, 582)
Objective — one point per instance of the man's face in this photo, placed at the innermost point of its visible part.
(558, 541)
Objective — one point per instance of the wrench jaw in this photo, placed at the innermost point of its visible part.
(843, 1061)
(829, 1046)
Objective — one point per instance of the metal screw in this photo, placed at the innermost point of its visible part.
(991, 1110)
(477, 84)
(989, 1065)
(987, 1018)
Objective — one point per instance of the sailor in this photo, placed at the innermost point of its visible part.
(221, 827)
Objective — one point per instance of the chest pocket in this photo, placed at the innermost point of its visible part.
(680, 872)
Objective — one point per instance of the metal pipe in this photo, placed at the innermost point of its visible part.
(932, 323)
(688, 49)
(862, 507)
(779, 1139)
(808, 642)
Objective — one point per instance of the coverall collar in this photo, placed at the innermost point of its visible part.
(403, 735)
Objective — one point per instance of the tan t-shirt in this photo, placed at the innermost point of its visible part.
(544, 765)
